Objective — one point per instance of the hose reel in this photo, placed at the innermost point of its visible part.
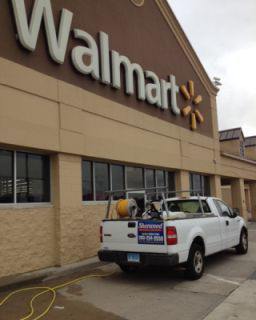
(126, 208)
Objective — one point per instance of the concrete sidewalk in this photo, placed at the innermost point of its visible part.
(240, 305)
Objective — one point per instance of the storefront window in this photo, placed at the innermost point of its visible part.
(206, 186)
(160, 182)
(117, 179)
(200, 184)
(171, 184)
(33, 176)
(160, 178)
(101, 173)
(30, 179)
(99, 177)
(6, 176)
(150, 178)
(87, 181)
(134, 178)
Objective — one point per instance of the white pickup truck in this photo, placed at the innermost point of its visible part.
(187, 230)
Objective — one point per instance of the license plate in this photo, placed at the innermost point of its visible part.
(133, 257)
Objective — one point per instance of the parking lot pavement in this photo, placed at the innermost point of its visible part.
(153, 293)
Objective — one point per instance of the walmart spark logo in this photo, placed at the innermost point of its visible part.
(188, 92)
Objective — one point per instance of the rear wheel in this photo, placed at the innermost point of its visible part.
(128, 268)
(195, 263)
(242, 248)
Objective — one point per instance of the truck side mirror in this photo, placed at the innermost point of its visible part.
(225, 214)
(236, 211)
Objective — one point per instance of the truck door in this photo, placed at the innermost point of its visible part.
(226, 224)
(235, 228)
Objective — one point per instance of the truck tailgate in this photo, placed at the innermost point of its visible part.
(134, 235)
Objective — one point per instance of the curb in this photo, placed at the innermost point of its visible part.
(11, 282)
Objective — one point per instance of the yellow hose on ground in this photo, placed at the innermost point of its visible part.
(47, 290)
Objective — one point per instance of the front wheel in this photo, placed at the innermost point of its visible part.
(195, 263)
(242, 248)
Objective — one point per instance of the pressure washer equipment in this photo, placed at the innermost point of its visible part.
(126, 208)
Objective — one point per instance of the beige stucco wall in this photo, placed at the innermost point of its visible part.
(231, 167)
(250, 152)
(227, 197)
(231, 146)
(47, 114)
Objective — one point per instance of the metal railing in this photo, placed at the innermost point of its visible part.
(156, 190)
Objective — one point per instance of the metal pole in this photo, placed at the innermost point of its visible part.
(165, 204)
(200, 202)
(108, 207)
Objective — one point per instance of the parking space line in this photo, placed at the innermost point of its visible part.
(222, 279)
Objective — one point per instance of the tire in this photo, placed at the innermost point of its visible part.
(195, 263)
(128, 268)
(242, 248)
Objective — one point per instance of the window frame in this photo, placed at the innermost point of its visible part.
(203, 186)
(16, 204)
(145, 177)
(92, 178)
(12, 177)
(111, 165)
(126, 176)
(125, 166)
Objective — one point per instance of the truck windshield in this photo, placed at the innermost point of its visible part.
(189, 206)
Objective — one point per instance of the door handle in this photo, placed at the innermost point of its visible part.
(227, 223)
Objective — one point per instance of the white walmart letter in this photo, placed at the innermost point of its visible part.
(105, 58)
(174, 91)
(78, 53)
(153, 90)
(28, 34)
(130, 69)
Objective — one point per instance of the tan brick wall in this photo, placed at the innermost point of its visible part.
(80, 232)
(27, 240)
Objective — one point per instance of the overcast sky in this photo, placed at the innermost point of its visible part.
(223, 34)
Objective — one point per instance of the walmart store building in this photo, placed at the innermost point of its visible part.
(98, 95)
